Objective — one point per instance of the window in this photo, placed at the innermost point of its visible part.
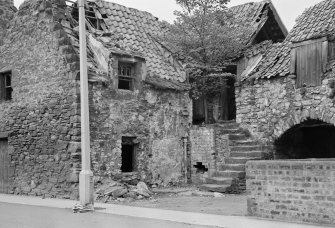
(126, 76)
(6, 86)
(128, 154)
(309, 61)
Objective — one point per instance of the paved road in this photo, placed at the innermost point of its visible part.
(22, 216)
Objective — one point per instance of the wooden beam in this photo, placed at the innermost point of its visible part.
(307, 42)
(293, 63)
(324, 54)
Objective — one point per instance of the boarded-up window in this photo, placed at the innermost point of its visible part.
(309, 64)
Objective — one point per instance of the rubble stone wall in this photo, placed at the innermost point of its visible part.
(158, 119)
(292, 190)
(7, 11)
(267, 108)
(41, 122)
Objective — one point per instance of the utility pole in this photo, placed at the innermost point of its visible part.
(86, 176)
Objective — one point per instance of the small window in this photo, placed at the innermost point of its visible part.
(6, 86)
(126, 76)
(128, 155)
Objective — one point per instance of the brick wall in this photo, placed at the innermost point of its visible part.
(292, 190)
(202, 150)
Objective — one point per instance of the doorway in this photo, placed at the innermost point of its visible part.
(128, 155)
(4, 166)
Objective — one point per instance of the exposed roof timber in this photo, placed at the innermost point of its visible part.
(278, 19)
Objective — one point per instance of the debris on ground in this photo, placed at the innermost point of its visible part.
(115, 191)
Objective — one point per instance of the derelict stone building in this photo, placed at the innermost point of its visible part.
(138, 96)
(287, 100)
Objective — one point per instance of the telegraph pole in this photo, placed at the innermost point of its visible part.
(86, 176)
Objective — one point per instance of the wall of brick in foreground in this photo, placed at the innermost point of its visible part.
(292, 190)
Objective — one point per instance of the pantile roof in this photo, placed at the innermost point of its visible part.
(316, 21)
(254, 15)
(136, 30)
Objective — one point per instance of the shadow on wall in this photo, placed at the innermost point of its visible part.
(309, 139)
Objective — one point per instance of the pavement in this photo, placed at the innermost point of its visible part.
(197, 219)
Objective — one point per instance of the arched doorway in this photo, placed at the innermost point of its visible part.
(310, 139)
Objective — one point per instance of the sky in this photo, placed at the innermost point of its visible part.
(288, 10)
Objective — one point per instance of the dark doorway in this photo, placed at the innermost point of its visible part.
(227, 99)
(310, 139)
(128, 155)
(4, 164)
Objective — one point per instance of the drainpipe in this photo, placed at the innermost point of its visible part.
(86, 176)
(185, 158)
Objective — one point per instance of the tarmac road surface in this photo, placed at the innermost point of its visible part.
(25, 216)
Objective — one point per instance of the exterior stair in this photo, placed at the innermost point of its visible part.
(230, 177)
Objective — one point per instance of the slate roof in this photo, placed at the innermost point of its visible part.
(138, 29)
(315, 22)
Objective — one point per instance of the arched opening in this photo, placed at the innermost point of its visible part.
(309, 139)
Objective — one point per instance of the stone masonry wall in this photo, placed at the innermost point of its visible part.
(292, 190)
(267, 108)
(158, 119)
(42, 121)
(7, 11)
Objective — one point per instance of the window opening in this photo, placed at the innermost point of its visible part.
(126, 76)
(128, 154)
(6, 86)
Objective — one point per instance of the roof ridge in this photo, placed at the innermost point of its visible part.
(123, 6)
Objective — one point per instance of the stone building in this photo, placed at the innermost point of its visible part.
(264, 27)
(140, 111)
(288, 101)
(288, 97)
(220, 149)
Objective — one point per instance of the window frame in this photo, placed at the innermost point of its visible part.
(6, 89)
(131, 77)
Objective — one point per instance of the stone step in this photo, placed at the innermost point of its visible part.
(237, 137)
(243, 143)
(233, 167)
(228, 131)
(248, 154)
(218, 180)
(230, 174)
(237, 160)
(245, 148)
(228, 125)
(214, 188)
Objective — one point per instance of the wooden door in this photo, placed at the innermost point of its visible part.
(4, 164)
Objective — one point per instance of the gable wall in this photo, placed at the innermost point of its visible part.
(41, 122)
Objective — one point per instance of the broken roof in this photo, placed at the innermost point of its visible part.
(135, 31)
(255, 15)
(316, 21)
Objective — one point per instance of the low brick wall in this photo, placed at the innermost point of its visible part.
(292, 190)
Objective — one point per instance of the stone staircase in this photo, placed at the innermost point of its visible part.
(230, 177)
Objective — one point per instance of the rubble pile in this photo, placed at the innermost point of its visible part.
(111, 191)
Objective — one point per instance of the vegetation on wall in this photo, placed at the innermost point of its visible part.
(206, 33)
